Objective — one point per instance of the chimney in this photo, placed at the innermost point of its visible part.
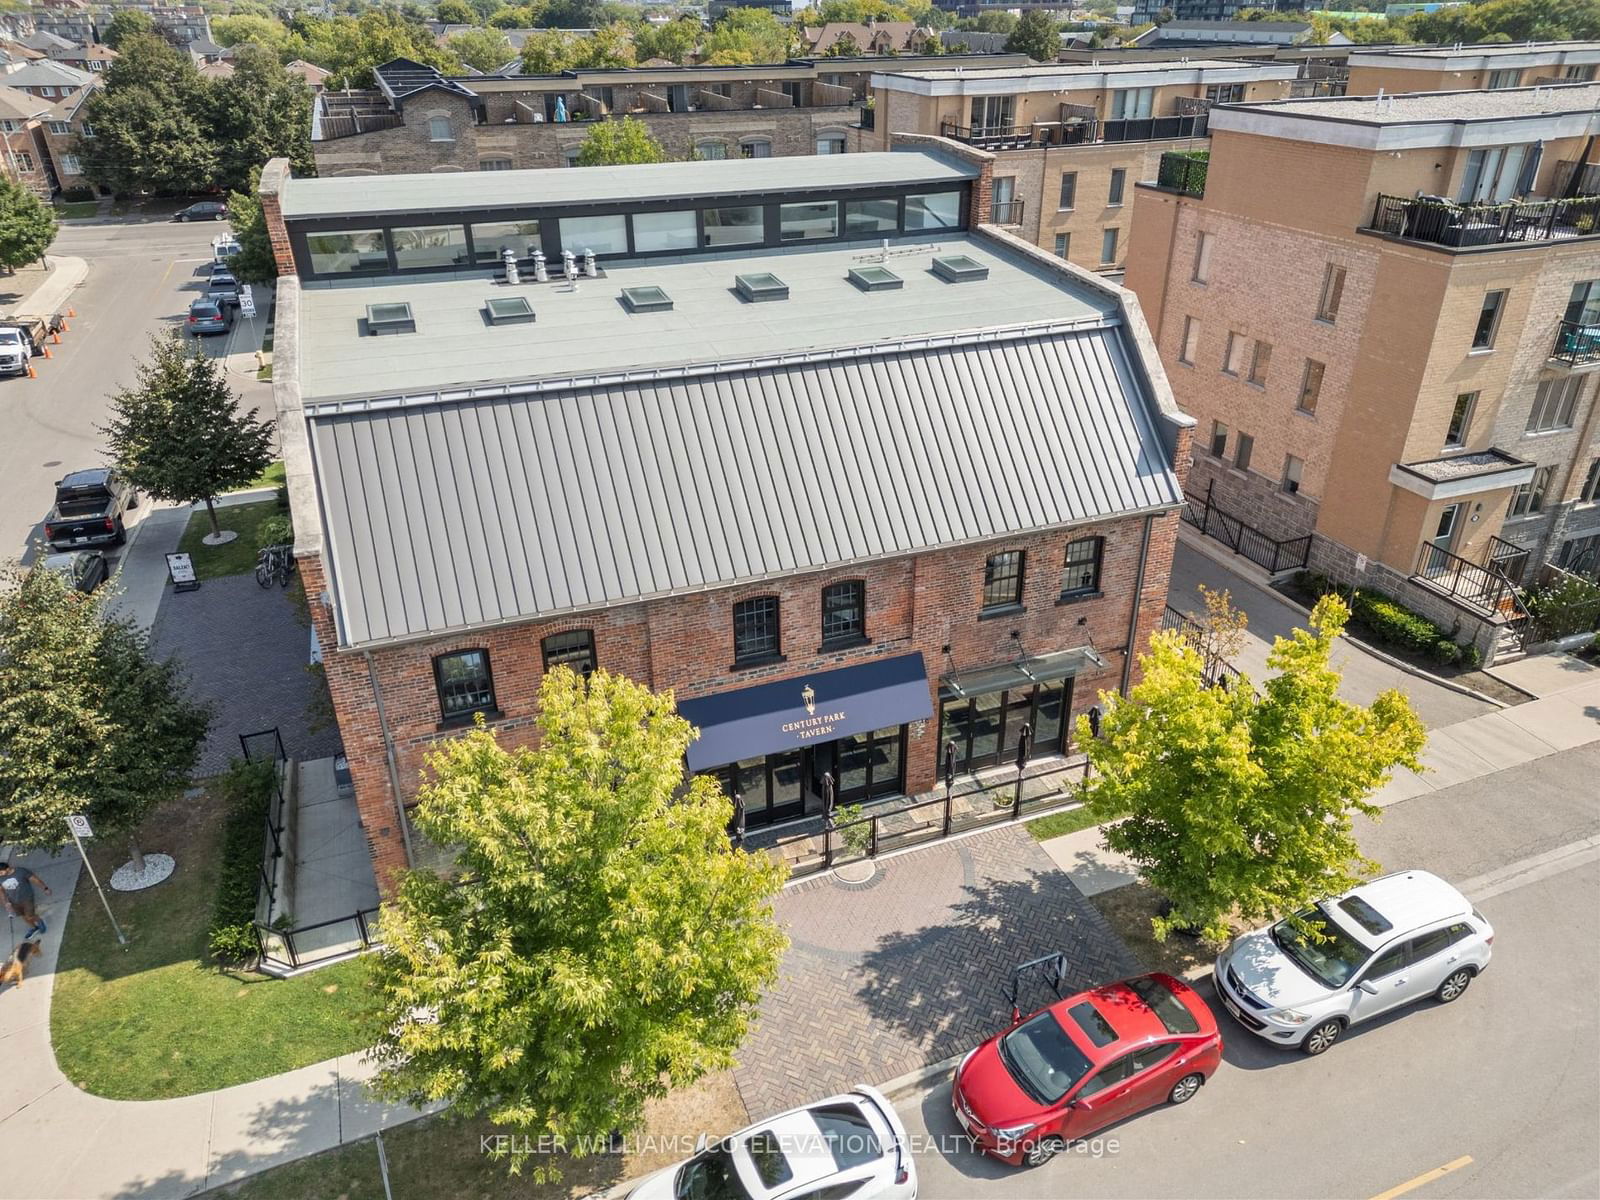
(274, 178)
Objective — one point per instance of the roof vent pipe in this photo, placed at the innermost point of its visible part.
(513, 276)
(588, 264)
(569, 266)
(540, 271)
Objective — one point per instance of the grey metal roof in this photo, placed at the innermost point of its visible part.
(364, 195)
(447, 516)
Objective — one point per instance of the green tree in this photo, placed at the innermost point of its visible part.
(259, 112)
(350, 47)
(995, 22)
(485, 50)
(1234, 803)
(609, 46)
(745, 36)
(857, 12)
(675, 41)
(179, 435)
(456, 12)
(89, 721)
(27, 225)
(255, 262)
(127, 23)
(1036, 36)
(546, 53)
(617, 143)
(603, 943)
(151, 121)
(844, 46)
(247, 29)
(508, 17)
(570, 14)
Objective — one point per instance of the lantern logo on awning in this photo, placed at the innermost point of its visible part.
(810, 697)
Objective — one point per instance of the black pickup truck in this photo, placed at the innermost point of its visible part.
(89, 510)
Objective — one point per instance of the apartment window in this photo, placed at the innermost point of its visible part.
(429, 246)
(844, 612)
(1460, 420)
(1583, 306)
(830, 145)
(1191, 341)
(1244, 447)
(760, 148)
(1492, 173)
(1529, 497)
(1260, 359)
(1233, 357)
(1063, 244)
(1219, 439)
(991, 114)
(1002, 579)
(1310, 386)
(571, 155)
(1132, 104)
(871, 216)
(663, 231)
(1591, 484)
(574, 649)
(464, 683)
(808, 222)
(70, 165)
(755, 629)
(1080, 574)
(712, 151)
(1488, 320)
(1225, 93)
(933, 210)
(1504, 79)
(85, 130)
(744, 225)
(439, 130)
(1332, 293)
(1202, 259)
(47, 90)
(8, 126)
(1554, 404)
(341, 253)
(1069, 191)
(59, 127)
(603, 235)
(494, 164)
(1108, 247)
(23, 159)
(1292, 467)
(1581, 556)
(491, 239)
(1119, 179)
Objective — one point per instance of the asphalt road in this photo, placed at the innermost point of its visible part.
(142, 275)
(1508, 1076)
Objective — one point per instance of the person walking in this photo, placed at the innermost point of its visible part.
(16, 885)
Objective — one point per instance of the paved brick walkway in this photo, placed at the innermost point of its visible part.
(906, 970)
(246, 655)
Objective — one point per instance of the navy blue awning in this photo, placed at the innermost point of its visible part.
(796, 712)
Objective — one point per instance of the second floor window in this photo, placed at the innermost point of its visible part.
(1488, 320)
(464, 683)
(844, 611)
(1591, 484)
(439, 130)
(1528, 497)
(1119, 180)
(1555, 404)
(1081, 572)
(1002, 579)
(1460, 420)
(1069, 190)
(1219, 439)
(755, 629)
(574, 649)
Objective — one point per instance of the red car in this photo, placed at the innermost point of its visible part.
(1084, 1063)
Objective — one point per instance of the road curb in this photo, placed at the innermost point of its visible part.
(913, 1081)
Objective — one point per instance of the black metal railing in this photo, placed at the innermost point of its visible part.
(1183, 172)
(1508, 557)
(1218, 670)
(868, 118)
(267, 746)
(1446, 223)
(1272, 554)
(1577, 343)
(990, 137)
(1153, 129)
(307, 945)
(1483, 586)
(1007, 212)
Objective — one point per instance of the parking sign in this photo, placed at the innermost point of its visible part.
(79, 824)
(247, 302)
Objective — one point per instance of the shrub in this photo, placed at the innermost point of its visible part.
(1569, 606)
(77, 195)
(1471, 657)
(246, 790)
(1394, 623)
(857, 838)
(276, 530)
(1445, 652)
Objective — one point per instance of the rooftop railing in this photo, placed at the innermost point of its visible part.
(1445, 223)
(1075, 133)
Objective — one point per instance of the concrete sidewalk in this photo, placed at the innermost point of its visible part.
(52, 293)
(85, 1147)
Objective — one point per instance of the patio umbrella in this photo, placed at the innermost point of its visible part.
(1530, 169)
(561, 108)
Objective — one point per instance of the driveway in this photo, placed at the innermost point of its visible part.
(1365, 675)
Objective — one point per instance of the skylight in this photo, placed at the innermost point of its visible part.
(390, 318)
(875, 279)
(958, 268)
(646, 299)
(763, 285)
(508, 310)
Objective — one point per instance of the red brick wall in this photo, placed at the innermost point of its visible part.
(923, 603)
(273, 176)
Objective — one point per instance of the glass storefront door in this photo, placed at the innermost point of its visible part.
(985, 728)
(780, 787)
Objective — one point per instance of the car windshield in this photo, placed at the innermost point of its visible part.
(1042, 1058)
(849, 1135)
(11, 336)
(710, 1176)
(1332, 957)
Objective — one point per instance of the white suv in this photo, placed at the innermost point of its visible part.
(1384, 944)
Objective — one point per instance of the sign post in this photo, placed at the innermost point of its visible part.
(247, 302)
(181, 568)
(79, 826)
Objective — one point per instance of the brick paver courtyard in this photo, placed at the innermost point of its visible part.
(245, 655)
(907, 969)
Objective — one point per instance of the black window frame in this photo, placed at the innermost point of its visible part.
(992, 577)
(567, 656)
(744, 611)
(460, 716)
(855, 592)
(1489, 316)
(1097, 549)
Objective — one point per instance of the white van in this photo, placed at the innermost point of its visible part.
(224, 247)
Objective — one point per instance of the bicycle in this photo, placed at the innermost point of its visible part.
(275, 563)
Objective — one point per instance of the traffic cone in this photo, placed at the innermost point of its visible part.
(72, 312)
(47, 353)
(67, 327)
(56, 338)
(32, 374)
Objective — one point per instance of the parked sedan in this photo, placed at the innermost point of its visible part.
(851, 1145)
(85, 570)
(204, 210)
(209, 316)
(1084, 1063)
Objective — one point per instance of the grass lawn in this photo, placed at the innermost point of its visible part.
(156, 1020)
(237, 556)
(70, 210)
(264, 374)
(1057, 824)
(273, 476)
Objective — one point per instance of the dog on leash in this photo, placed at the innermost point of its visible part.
(17, 965)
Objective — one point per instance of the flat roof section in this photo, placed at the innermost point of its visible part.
(365, 196)
(590, 330)
(1464, 56)
(1499, 104)
(1064, 76)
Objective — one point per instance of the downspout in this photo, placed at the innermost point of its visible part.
(389, 758)
(1133, 621)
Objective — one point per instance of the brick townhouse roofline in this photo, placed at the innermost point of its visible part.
(273, 178)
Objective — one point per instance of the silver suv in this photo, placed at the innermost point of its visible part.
(1379, 946)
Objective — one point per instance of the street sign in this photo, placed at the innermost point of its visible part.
(181, 568)
(79, 824)
(247, 302)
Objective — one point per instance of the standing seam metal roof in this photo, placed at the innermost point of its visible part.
(444, 517)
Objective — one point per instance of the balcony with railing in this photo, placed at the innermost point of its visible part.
(1007, 212)
(1577, 345)
(1443, 222)
(1076, 129)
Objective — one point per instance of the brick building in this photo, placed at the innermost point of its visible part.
(1393, 346)
(850, 470)
(1069, 140)
(417, 119)
(1470, 68)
